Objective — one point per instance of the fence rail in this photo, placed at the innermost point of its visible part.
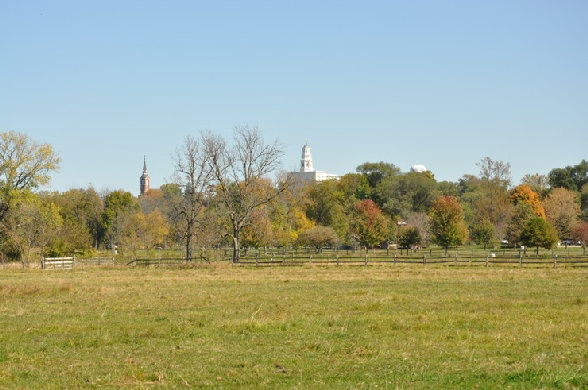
(157, 261)
(96, 261)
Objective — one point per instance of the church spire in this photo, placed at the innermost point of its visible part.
(144, 180)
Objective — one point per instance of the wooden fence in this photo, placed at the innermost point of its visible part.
(70, 262)
(424, 259)
(57, 262)
(368, 260)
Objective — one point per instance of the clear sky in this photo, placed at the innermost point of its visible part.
(440, 83)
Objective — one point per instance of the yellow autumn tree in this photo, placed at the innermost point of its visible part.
(524, 194)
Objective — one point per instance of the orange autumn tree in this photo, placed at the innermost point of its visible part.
(524, 194)
(369, 224)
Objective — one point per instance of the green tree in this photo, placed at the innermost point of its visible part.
(408, 237)
(409, 193)
(448, 188)
(539, 233)
(572, 177)
(447, 222)
(369, 225)
(482, 232)
(287, 214)
(560, 177)
(118, 207)
(354, 186)
(584, 202)
(522, 213)
(486, 199)
(81, 211)
(34, 225)
(24, 164)
(376, 172)
(326, 207)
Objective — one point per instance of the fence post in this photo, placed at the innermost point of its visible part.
(456, 259)
(365, 261)
(284, 259)
(394, 258)
(337, 258)
(554, 261)
(487, 260)
(424, 259)
(257, 259)
(520, 259)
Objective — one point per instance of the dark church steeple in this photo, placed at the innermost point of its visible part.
(144, 181)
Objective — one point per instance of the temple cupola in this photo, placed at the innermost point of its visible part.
(306, 160)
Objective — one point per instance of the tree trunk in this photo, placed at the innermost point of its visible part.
(236, 253)
(189, 247)
(189, 229)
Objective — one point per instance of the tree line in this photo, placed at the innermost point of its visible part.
(230, 193)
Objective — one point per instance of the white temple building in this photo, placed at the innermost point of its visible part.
(418, 168)
(307, 172)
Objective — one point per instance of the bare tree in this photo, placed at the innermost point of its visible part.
(538, 183)
(495, 170)
(192, 173)
(240, 174)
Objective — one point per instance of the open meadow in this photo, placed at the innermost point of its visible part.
(311, 326)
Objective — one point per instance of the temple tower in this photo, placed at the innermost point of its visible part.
(306, 160)
(144, 180)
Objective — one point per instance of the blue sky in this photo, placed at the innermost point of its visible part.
(441, 83)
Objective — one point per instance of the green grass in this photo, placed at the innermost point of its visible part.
(305, 327)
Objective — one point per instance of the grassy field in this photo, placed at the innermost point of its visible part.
(304, 327)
